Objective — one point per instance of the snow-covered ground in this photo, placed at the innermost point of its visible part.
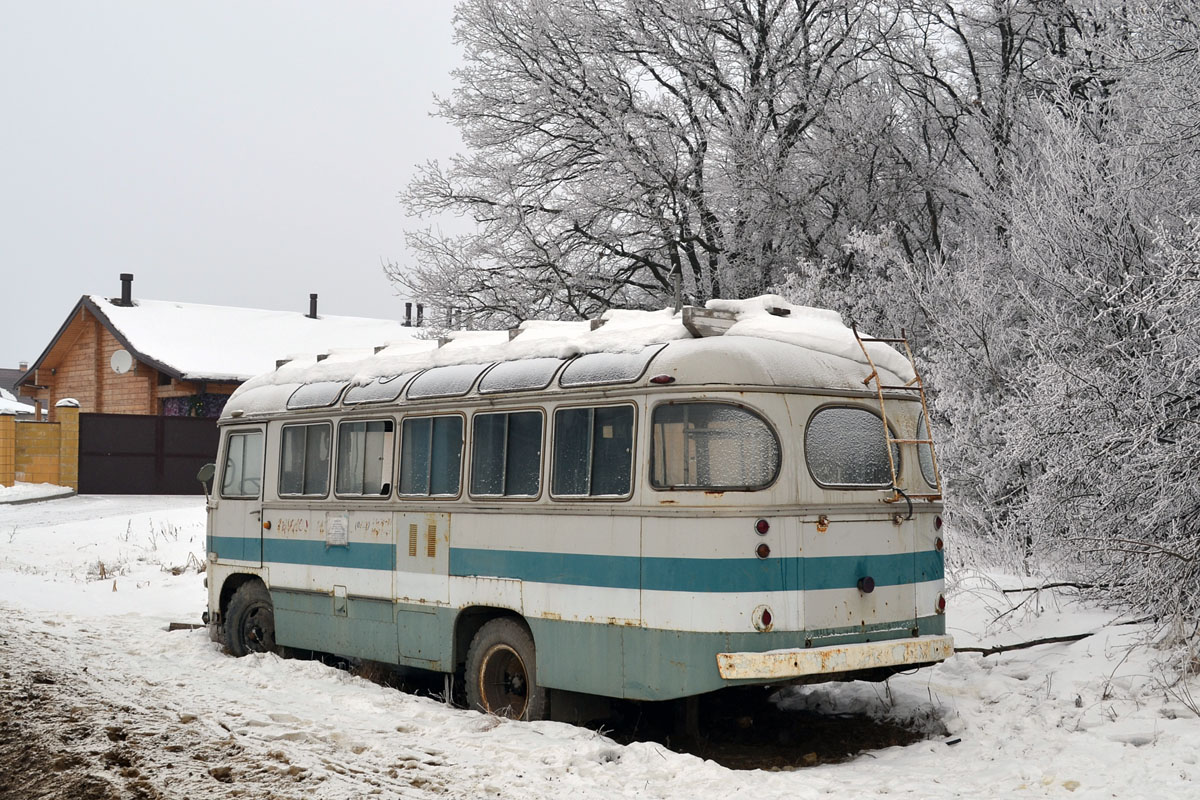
(21, 492)
(111, 704)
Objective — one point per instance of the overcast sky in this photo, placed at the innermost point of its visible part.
(235, 153)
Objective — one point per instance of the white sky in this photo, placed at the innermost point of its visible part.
(236, 153)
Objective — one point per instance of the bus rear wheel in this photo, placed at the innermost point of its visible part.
(250, 621)
(501, 673)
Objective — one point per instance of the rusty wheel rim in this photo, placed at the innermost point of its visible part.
(504, 682)
(258, 628)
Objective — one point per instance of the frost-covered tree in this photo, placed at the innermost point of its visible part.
(1063, 316)
(614, 144)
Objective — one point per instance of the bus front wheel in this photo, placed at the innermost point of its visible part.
(501, 673)
(250, 620)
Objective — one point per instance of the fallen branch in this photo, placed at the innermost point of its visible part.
(1004, 648)
(1058, 585)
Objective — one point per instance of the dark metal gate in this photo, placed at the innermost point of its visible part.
(140, 454)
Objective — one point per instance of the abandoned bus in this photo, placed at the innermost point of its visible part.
(652, 506)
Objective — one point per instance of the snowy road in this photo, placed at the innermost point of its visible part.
(98, 700)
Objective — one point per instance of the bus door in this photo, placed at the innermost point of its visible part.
(238, 532)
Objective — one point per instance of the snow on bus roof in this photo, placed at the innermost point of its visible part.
(820, 333)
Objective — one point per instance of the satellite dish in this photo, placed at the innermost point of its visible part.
(121, 362)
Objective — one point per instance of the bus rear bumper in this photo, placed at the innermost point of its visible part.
(779, 664)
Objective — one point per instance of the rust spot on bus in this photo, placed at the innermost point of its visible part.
(714, 494)
(668, 502)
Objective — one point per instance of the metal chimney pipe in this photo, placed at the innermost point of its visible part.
(420, 315)
(312, 306)
(408, 315)
(126, 289)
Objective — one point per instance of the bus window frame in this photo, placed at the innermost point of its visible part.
(849, 487)
(399, 463)
(389, 474)
(764, 418)
(227, 437)
(469, 447)
(328, 467)
(633, 462)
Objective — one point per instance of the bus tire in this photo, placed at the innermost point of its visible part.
(250, 621)
(501, 674)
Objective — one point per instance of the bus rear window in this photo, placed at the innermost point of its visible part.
(711, 446)
(846, 447)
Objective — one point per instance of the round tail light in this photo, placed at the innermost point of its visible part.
(940, 605)
(937, 522)
(762, 619)
(938, 544)
(762, 526)
(763, 550)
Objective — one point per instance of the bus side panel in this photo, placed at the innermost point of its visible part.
(356, 626)
(580, 656)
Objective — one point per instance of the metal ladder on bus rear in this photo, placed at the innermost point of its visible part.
(914, 385)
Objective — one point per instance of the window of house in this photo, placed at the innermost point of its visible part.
(506, 454)
(711, 446)
(304, 460)
(846, 447)
(593, 451)
(243, 471)
(364, 458)
(431, 455)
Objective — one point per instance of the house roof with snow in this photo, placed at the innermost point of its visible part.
(10, 405)
(195, 342)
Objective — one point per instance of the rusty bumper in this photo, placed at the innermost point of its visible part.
(778, 664)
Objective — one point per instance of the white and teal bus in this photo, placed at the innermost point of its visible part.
(656, 507)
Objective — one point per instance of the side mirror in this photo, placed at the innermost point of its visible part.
(205, 475)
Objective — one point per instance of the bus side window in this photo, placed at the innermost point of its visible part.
(304, 460)
(242, 475)
(593, 452)
(364, 458)
(431, 455)
(712, 446)
(506, 454)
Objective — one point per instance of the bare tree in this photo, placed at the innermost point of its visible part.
(614, 144)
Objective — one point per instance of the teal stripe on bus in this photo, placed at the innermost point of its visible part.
(356, 555)
(619, 572)
(698, 574)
